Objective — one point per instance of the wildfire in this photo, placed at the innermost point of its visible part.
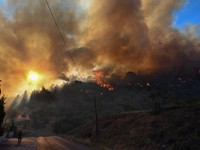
(88, 91)
(181, 80)
(99, 77)
(27, 116)
(148, 84)
(19, 116)
(129, 83)
(101, 93)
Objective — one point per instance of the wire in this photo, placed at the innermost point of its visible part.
(63, 38)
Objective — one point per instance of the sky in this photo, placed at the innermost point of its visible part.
(116, 35)
(189, 13)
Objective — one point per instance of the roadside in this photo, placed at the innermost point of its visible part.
(172, 128)
(28, 143)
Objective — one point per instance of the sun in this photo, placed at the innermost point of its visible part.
(33, 77)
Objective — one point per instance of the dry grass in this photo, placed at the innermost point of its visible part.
(171, 128)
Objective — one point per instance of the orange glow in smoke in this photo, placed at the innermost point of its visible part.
(129, 83)
(101, 93)
(99, 77)
(148, 84)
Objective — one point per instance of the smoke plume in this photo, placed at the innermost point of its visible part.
(120, 35)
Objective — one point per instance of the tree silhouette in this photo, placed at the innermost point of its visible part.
(2, 111)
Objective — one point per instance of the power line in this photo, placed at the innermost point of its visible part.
(62, 38)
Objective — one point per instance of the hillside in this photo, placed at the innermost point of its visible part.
(173, 128)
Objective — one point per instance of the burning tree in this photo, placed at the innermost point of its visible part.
(100, 80)
(2, 111)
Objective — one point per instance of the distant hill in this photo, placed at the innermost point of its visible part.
(174, 128)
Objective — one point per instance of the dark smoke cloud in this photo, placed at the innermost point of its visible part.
(63, 77)
(135, 35)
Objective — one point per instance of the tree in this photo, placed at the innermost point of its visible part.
(153, 94)
(2, 111)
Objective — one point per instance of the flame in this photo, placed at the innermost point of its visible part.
(99, 77)
(82, 90)
(181, 80)
(27, 116)
(88, 91)
(148, 84)
(129, 83)
(19, 116)
(141, 85)
(101, 93)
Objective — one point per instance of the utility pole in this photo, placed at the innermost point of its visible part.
(96, 116)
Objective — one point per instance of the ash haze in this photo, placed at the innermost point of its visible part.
(121, 35)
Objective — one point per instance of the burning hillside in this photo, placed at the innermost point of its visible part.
(118, 51)
(100, 80)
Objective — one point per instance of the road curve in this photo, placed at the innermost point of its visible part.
(58, 143)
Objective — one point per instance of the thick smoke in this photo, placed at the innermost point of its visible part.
(138, 35)
(120, 35)
(31, 42)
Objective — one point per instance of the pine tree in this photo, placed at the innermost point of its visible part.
(2, 111)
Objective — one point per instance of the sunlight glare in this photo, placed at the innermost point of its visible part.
(33, 77)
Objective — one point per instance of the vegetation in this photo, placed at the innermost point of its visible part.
(174, 128)
(72, 105)
(2, 111)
